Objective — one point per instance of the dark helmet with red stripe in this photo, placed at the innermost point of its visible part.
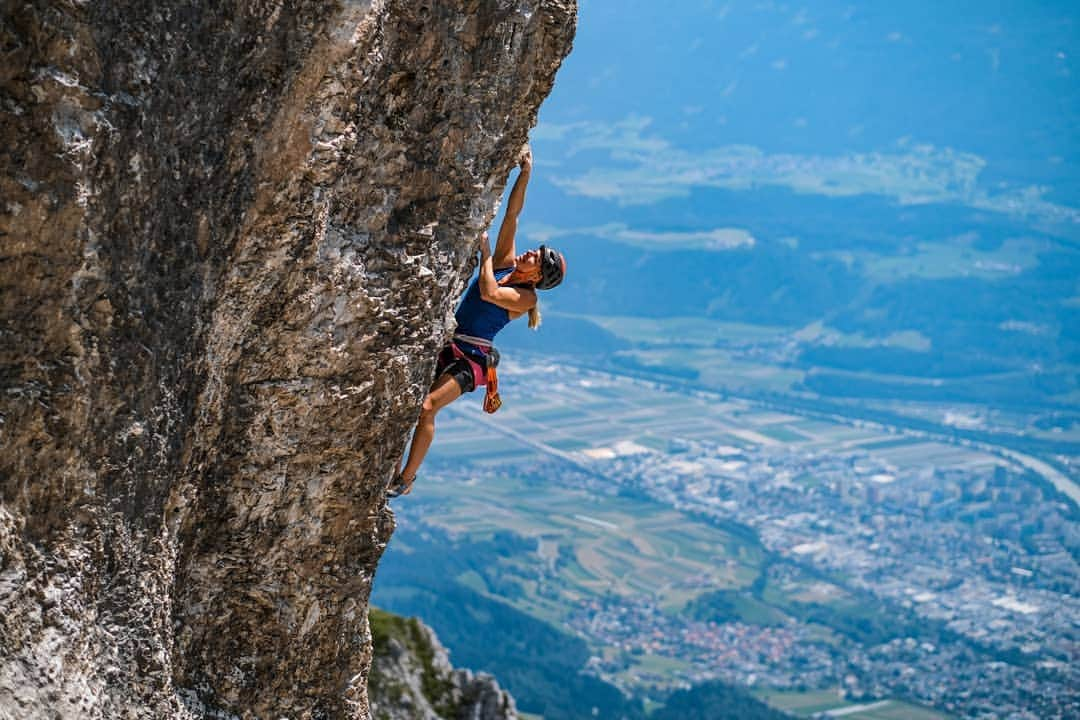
(552, 268)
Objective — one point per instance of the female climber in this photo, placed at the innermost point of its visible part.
(504, 290)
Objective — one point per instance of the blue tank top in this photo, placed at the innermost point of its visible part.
(479, 318)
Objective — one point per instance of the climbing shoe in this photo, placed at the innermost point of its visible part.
(398, 486)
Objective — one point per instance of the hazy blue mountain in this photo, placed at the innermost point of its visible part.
(994, 80)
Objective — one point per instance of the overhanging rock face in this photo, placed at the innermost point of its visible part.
(231, 237)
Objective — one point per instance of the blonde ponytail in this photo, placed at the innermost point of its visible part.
(534, 316)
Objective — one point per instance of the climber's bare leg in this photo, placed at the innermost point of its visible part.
(443, 392)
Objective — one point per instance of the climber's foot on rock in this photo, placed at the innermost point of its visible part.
(399, 486)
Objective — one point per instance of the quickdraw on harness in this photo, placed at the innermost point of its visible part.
(492, 401)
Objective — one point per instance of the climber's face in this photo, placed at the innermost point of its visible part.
(528, 263)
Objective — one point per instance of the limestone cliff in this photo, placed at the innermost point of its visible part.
(412, 679)
(231, 235)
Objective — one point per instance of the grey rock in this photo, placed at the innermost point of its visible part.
(231, 238)
(412, 679)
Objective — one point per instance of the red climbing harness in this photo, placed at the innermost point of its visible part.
(485, 374)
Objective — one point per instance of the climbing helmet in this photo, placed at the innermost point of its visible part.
(552, 268)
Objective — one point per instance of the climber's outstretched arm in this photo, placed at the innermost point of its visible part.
(504, 249)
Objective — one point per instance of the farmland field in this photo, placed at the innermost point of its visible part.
(599, 415)
(616, 544)
(582, 541)
(805, 704)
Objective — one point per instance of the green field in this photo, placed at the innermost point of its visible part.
(947, 260)
(622, 545)
(806, 704)
(802, 704)
(662, 667)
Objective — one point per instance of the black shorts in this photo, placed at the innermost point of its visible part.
(458, 368)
